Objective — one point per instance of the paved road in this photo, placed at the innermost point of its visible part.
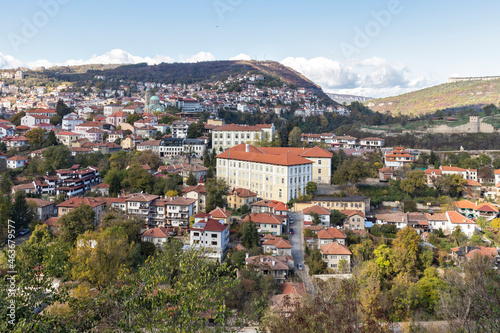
(298, 251)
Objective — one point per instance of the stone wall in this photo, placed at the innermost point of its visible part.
(470, 127)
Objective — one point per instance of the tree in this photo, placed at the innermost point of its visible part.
(132, 118)
(414, 181)
(191, 179)
(311, 188)
(35, 136)
(51, 139)
(117, 218)
(409, 205)
(250, 236)
(337, 218)
(405, 251)
(22, 213)
(98, 257)
(5, 214)
(114, 179)
(196, 129)
(172, 193)
(57, 157)
(216, 192)
(75, 223)
(137, 179)
(495, 223)
(148, 158)
(16, 119)
(316, 220)
(295, 137)
(5, 183)
(352, 171)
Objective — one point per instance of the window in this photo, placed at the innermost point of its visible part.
(214, 235)
(214, 243)
(319, 170)
(319, 162)
(196, 234)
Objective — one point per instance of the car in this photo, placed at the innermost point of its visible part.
(291, 231)
(24, 232)
(299, 266)
(291, 221)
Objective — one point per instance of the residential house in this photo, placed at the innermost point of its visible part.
(158, 236)
(333, 253)
(227, 136)
(355, 219)
(329, 235)
(323, 214)
(117, 118)
(199, 194)
(221, 214)
(464, 253)
(278, 267)
(211, 237)
(67, 137)
(277, 246)
(98, 206)
(239, 197)
(266, 223)
(44, 209)
(16, 161)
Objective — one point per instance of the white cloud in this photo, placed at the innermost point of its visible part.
(199, 57)
(372, 77)
(241, 56)
(7, 61)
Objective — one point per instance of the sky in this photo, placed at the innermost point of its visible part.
(362, 47)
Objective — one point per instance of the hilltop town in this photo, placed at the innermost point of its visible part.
(140, 170)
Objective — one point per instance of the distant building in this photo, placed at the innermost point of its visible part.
(211, 237)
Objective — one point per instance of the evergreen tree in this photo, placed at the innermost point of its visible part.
(51, 139)
(250, 236)
(191, 180)
(22, 213)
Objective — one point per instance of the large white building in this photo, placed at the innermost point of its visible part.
(278, 175)
(227, 136)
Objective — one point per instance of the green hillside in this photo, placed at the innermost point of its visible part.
(445, 96)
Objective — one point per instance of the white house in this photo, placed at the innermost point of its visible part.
(323, 214)
(34, 120)
(70, 121)
(16, 162)
(211, 236)
(157, 236)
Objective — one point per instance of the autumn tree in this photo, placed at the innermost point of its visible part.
(405, 252)
(35, 136)
(75, 223)
(98, 257)
(295, 137)
(414, 181)
(138, 179)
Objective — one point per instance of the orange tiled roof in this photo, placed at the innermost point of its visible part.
(456, 218)
(265, 218)
(316, 209)
(335, 248)
(330, 233)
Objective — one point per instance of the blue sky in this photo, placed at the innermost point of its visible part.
(367, 47)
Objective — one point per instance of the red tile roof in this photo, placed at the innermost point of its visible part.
(330, 233)
(209, 225)
(243, 193)
(335, 248)
(316, 209)
(220, 213)
(264, 218)
(285, 158)
(456, 218)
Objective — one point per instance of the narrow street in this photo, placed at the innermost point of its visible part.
(298, 251)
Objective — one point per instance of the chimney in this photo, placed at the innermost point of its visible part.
(274, 263)
(246, 255)
(261, 259)
(247, 148)
(206, 218)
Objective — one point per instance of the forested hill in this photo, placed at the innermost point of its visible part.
(187, 73)
(464, 94)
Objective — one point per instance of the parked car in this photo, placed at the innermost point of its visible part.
(24, 232)
(291, 231)
(291, 221)
(299, 266)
